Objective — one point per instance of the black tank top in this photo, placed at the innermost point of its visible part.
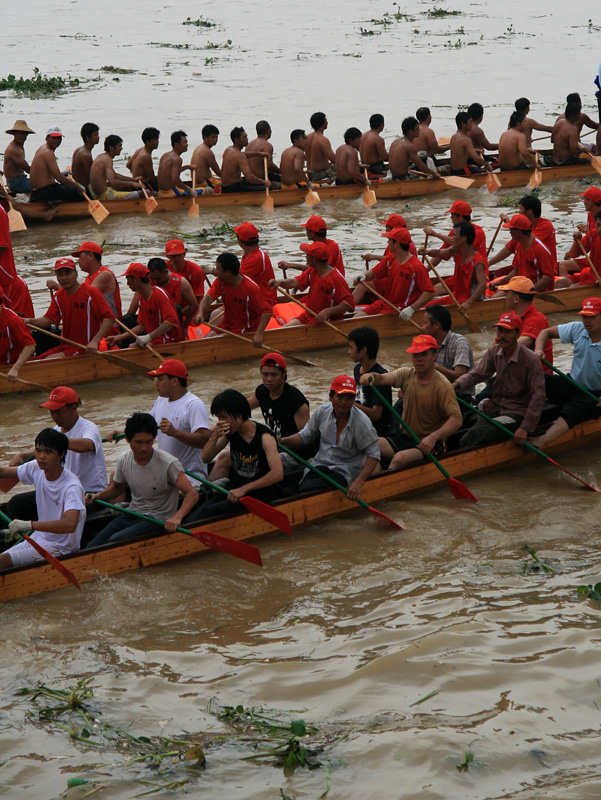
(249, 461)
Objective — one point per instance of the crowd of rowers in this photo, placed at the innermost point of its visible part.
(250, 166)
(348, 438)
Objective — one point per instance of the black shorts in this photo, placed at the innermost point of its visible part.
(401, 441)
(575, 406)
(57, 193)
(243, 186)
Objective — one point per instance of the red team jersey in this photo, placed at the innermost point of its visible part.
(335, 256)
(464, 278)
(81, 313)
(195, 276)
(14, 336)
(544, 231)
(156, 310)
(7, 262)
(324, 293)
(17, 298)
(257, 267)
(592, 244)
(535, 263)
(112, 298)
(244, 305)
(406, 282)
(533, 322)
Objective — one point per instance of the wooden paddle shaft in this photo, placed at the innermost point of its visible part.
(39, 386)
(263, 346)
(392, 305)
(588, 258)
(147, 346)
(310, 311)
(494, 237)
(473, 325)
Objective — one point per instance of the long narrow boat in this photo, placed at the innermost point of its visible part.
(301, 510)
(219, 349)
(392, 190)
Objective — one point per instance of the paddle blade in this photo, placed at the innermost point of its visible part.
(131, 366)
(268, 203)
(247, 552)
(274, 516)
(536, 179)
(473, 326)
(457, 182)
(193, 211)
(596, 162)
(567, 471)
(443, 141)
(312, 198)
(54, 562)
(492, 182)
(150, 205)
(16, 221)
(460, 491)
(6, 484)
(369, 198)
(98, 211)
(389, 520)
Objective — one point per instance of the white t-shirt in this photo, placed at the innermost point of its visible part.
(89, 467)
(153, 489)
(52, 499)
(187, 414)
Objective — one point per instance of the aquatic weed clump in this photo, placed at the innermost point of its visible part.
(39, 84)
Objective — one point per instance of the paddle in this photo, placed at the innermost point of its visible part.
(95, 207)
(147, 346)
(247, 552)
(492, 182)
(455, 181)
(193, 211)
(338, 486)
(494, 237)
(312, 198)
(268, 202)
(373, 290)
(458, 489)
(310, 311)
(263, 346)
(369, 196)
(537, 177)
(15, 218)
(528, 445)
(473, 326)
(588, 258)
(596, 162)
(52, 560)
(151, 204)
(571, 380)
(272, 515)
(39, 386)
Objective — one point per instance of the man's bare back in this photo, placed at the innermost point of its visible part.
(81, 164)
(462, 149)
(168, 174)
(427, 141)
(513, 150)
(565, 140)
(347, 165)
(319, 152)
(44, 169)
(372, 148)
(102, 168)
(262, 146)
(292, 165)
(479, 139)
(205, 162)
(15, 163)
(142, 166)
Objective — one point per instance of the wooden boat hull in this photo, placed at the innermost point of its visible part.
(302, 510)
(392, 190)
(217, 350)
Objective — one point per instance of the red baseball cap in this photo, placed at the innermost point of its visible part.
(394, 221)
(135, 270)
(591, 307)
(422, 343)
(246, 231)
(316, 224)
(510, 320)
(174, 247)
(400, 235)
(274, 360)
(316, 249)
(59, 397)
(519, 222)
(88, 247)
(592, 193)
(460, 207)
(170, 366)
(64, 263)
(343, 384)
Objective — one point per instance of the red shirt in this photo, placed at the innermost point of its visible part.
(195, 276)
(325, 292)
(545, 232)
(334, 256)
(7, 262)
(82, 313)
(173, 289)
(257, 267)
(244, 305)
(14, 336)
(112, 298)
(535, 263)
(406, 282)
(592, 244)
(465, 280)
(533, 322)
(156, 310)
(17, 297)
(479, 244)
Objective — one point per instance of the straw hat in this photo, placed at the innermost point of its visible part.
(20, 126)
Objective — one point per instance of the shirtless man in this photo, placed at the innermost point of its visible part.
(348, 169)
(82, 159)
(140, 164)
(373, 147)
(476, 134)
(204, 159)
(292, 163)
(320, 156)
(582, 119)
(513, 150)
(566, 139)
(105, 183)
(522, 105)
(427, 140)
(262, 145)
(403, 152)
(171, 166)
(16, 168)
(462, 148)
(48, 184)
(236, 175)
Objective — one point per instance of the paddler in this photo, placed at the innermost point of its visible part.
(177, 289)
(82, 158)
(385, 262)
(522, 104)
(465, 160)
(320, 156)
(566, 139)
(372, 148)
(476, 134)
(48, 184)
(140, 164)
(175, 250)
(262, 146)
(16, 342)
(403, 155)
(89, 256)
(460, 211)
(542, 228)
(208, 172)
(16, 167)
(576, 271)
(317, 231)
(531, 258)
(348, 169)
(513, 147)
(171, 165)
(16, 292)
(105, 183)
(592, 205)
(236, 174)
(292, 162)
(427, 141)
(255, 263)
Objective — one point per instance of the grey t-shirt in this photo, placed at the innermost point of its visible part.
(153, 489)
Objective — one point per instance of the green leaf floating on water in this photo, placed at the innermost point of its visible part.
(298, 727)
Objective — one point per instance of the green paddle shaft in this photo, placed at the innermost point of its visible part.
(207, 482)
(8, 520)
(140, 516)
(572, 381)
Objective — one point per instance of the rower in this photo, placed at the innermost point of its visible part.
(372, 148)
(155, 479)
(403, 155)
(348, 442)
(329, 295)
(522, 105)
(261, 145)
(542, 228)
(86, 316)
(531, 258)
(292, 162)
(317, 231)
(16, 167)
(82, 159)
(255, 466)
(245, 308)
(105, 183)
(566, 140)
(60, 507)
(577, 271)
(581, 120)
(205, 162)
(476, 134)
(465, 160)
(255, 263)
(408, 286)
(16, 291)
(363, 347)
(519, 298)
(177, 289)
(518, 390)
(575, 406)
(454, 356)
(236, 174)
(171, 166)
(175, 250)
(348, 169)
(16, 342)
(430, 407)
(140, 164)
(513, 146)
(320, 156)
(158, 322)
(592, 204)
(48, 184)
(89, 256)
(427, 141)
(460, 211)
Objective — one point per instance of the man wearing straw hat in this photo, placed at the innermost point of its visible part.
(16, 168)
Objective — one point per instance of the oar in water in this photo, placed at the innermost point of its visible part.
(588, 258)
(150, 203)
(193, 211)
(95, 208)
(39, 386)
(52, 560)
(458, 489)
(369, 196)
(312, 198)
(268, 202)
(148, 346)
(247, 552)
(473, 326)
(373, 290)
(454, 181)
(310, 311)
(527, 445)
(338, 486)
(15, 218)
(494, 238)
(263, 346)
(537, 176)
(274, 516)
(571, 380)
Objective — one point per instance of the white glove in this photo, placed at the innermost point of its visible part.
(358, 280)
(407, 313)
(20, 526)
(142, 341)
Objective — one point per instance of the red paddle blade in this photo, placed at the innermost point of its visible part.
(460, 491)
(247, 552)
(583, 482)
(54, 562)
(6, 484)
(383, 516)
(272, 515)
